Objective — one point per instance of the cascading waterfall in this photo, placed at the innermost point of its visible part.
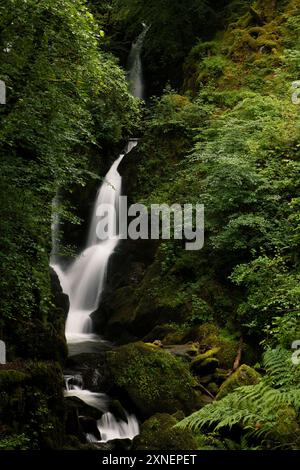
(135, 68)
(84, 279)
(110, 428)
(74, 388)
(55, 231)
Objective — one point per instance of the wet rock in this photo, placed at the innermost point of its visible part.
(89, 426)
(93, 370)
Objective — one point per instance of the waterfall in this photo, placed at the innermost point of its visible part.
(83, 281)
(135, 68)
(110, 428)
(74, 388)
(55, 231)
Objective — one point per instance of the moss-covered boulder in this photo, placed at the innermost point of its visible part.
(159, 433)
(205, 363)
(154, 379)
(244, 375)
(210, 336)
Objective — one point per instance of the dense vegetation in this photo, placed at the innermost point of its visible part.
(66, 98)
(221, 131)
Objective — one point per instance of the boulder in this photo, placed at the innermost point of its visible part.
(159, 433)
(153, 379)
(205, 363)
(244, 375)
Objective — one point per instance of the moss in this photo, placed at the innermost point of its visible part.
(154, 380)
(159, 433)
(209, 442)
(244, 375)
(205, 363)
(286, 429)
(11, 378)
(211, 338)
(15, 442)
(213, 388)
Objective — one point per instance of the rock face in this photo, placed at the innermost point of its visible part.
(159, 433)
(153, 379)
(61, 300)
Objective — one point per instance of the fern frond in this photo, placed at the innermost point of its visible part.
(256, 408)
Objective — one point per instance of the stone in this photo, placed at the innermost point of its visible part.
(244, 375)
(159, 433)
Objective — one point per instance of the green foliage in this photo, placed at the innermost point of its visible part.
(15, 442)
(172, 33)
(266, 412)
(65, 99)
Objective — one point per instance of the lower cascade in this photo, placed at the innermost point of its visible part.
(110, 428)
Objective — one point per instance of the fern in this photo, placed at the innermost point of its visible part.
(266, 412)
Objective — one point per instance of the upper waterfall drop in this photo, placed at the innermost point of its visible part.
(135, 67)
(84, 279)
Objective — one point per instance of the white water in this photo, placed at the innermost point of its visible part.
(110, 428)
(96, 400)
(135, 74)
(84, 280)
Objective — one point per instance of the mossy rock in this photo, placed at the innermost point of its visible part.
(32, 403)
(159, 433)
(213, 388)
(244, 375)
(210, 336)
(202, 365)
(154, 379)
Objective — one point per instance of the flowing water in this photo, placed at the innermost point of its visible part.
(110, 428)
(83, 281)
(135, 68)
